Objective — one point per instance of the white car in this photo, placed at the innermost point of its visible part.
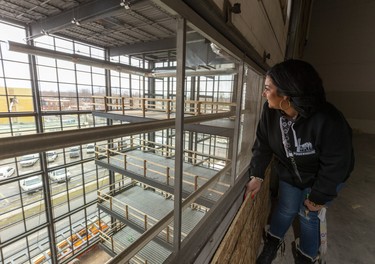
(29, 160)
(32, 184)
(90, 148)
(6, 172)
(59, 175)
(74, 152)
(51, 156)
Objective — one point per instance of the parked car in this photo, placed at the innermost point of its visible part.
(51, 156)
(31, 184)
(90, 148)
(6, 172)
(29, 160)
(59, 175)
(74, 152)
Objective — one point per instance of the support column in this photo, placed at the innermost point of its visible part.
(179, 127)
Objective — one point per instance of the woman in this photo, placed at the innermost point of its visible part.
(311, 142)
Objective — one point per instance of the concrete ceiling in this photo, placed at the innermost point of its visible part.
(126, 27)
(139, 28)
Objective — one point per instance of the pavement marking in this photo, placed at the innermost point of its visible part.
(3, 199)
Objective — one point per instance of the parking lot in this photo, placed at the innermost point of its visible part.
(61, 178)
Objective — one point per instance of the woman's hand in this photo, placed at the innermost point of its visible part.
(253, 187)
(312, 206)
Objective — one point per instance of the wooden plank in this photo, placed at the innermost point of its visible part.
(242, 240)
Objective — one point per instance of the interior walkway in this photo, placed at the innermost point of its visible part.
(351, 218)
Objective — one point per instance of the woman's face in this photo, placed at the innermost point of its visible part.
(270, 93)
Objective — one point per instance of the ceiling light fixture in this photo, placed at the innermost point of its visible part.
(76, 22)
(125, 4)
(44, 32)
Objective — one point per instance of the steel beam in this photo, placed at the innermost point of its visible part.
(145, 47)
(28, 144)
(213, 72)
(75, 58)
(153, 46)
(83, 13)
(79, 59)
(222, 128)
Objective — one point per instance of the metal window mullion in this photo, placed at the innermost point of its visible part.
(24, 218)
(239, 87)
(192, 143)
(6, 88)
(43, 160)
(130, 85)
(150, 86)
(108, 81)
(76, 86)
(35, 93)
(108, 91)
(179, 126)
(58, 84)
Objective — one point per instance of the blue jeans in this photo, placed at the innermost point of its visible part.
(290, 204)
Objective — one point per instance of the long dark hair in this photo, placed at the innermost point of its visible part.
(301, 82)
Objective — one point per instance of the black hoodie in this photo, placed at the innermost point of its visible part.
(321, 145)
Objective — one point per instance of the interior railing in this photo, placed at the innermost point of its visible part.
(168, 106)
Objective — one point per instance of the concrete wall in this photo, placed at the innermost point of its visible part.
(341, 45)
(261, 22)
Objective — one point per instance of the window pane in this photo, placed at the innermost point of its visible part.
(47, 74)
(17, 70)
(67, 76)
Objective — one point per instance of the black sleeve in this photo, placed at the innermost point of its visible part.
(336, 160)
(262, 153)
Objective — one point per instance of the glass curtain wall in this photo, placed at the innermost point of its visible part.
(66, 92)
(251, 107)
